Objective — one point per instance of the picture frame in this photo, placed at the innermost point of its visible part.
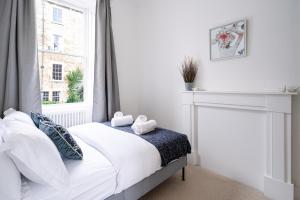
(228, 41)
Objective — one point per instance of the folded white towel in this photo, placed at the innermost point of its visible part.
(139, 119)
(118, 114)
(145, 127)
(122, 121)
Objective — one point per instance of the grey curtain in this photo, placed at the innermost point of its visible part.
(19, 75)
(106, 88)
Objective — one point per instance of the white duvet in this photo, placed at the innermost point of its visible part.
(132, 157)
(92, 178)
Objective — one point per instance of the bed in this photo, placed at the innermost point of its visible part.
(141, 188)
(117, 165)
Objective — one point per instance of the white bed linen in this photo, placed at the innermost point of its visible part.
(133, 157)
(91, 178)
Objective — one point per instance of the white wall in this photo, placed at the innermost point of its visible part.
(153, 36)
(296, 113)
(171, 29)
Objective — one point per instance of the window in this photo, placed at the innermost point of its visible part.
(63, 50)
(57, 43)
(55, 96)
(45, 96)
(57, 72)
(57, 15)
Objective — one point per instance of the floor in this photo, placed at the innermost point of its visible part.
(201, 184)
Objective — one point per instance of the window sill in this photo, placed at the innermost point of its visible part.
(58, 81)
(61, 53)
(57, 23)
(64, 107)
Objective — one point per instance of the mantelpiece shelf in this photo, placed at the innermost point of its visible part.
(242, 92)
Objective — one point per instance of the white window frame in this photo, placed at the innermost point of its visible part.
(62, 71)
(88, 7)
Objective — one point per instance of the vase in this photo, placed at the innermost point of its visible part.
(188, 86)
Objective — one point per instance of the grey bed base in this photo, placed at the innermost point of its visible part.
(141, 188)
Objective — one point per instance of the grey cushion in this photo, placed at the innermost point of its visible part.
(64, 142)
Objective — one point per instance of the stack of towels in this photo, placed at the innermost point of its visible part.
(140, 126)
(121, 120)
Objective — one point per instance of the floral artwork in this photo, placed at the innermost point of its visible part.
(228, 41)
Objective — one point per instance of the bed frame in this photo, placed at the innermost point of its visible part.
(141, 188)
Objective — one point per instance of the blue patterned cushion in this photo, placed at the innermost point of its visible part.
(37, 118)
(64, 142)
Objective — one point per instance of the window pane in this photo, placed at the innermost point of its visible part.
(57, 15)
(61, 54)
(57, 43)
(57, 72)
(45, 96)
(55, 96)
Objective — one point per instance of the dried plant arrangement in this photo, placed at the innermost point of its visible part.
(189, 69)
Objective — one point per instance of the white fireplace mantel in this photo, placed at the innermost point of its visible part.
(276, 106)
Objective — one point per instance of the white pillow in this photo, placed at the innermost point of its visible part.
(35, 155)
(12, 114)
(10, 181)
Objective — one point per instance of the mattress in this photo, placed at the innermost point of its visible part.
(91, 178)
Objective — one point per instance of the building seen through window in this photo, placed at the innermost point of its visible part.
(62, 54)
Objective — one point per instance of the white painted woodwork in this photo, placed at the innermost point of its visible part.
(68, 115)
(242, 135)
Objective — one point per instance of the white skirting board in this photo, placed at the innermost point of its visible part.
(279, 190)
(297, 193)
(271, 112)
(193, 158)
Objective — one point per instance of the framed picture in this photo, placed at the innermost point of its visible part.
(228, 41)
